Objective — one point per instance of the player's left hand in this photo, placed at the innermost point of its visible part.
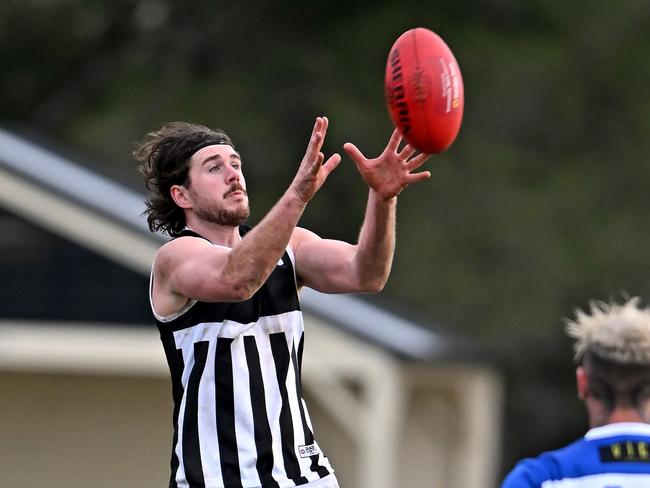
(392, 171)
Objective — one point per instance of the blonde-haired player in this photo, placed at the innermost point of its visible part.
(612, 346)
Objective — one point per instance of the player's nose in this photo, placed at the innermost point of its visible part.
(232, 174)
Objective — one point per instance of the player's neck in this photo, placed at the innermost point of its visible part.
(224, 235)
(616, 416)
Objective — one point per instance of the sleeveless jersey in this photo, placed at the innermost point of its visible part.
(611, 456)
(239, 417)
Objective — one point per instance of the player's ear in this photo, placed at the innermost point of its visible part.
(582, 383)
(180, 195)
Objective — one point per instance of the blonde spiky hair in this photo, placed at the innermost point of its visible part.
(618, 333)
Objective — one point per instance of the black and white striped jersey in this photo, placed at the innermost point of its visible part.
(239, 416)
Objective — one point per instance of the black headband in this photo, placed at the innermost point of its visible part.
(208, 142)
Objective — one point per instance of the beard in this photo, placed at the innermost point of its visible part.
(212, 212)
(224, 216)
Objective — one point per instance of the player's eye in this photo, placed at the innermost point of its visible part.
(214, 168)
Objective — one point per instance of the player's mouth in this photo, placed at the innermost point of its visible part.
(235, 191)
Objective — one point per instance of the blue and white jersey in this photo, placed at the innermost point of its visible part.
(611, 456)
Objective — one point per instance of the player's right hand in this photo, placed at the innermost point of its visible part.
(312, 172)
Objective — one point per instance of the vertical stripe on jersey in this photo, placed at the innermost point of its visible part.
(309, 435)
(281, 358)
(301, 347)
(191, 445)
(263, 439)
(225, 411)
(176, 365)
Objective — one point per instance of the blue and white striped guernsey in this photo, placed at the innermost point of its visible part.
(612, 456)
(239, 416)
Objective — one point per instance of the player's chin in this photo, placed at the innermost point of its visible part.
(244, 205)
(235, 216)
(244, 211)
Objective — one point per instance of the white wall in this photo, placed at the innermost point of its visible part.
(75, 431)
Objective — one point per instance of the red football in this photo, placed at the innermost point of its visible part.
(424, 90)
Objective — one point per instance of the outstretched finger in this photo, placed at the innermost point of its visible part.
(354, 153)
(331, 164)
(417, 161)
(318, 126)
(394, 141)
(406, 152)
(326, 124)
(415, 177)
(316, 139)
(322, 130)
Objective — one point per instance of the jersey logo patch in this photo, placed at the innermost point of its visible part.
(626, 452)
(308, 451)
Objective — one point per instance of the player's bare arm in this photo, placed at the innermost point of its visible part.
(338, 267)
(190, 268)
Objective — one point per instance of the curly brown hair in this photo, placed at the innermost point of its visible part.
(165, 155)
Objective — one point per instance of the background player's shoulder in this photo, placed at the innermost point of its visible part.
(527, 473)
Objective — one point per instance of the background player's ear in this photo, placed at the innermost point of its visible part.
(582, 382)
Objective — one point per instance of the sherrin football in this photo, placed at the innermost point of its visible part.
(424, 90)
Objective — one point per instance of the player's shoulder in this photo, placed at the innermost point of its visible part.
(550, 465)
(303, 233)
(179, 248)
(527, 473)
(183, 242)
(300, 235)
